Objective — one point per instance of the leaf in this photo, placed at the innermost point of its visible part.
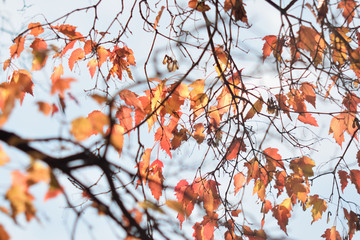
(343, 179)
(353, 222)
(4, 158)
(75, 56)
(98, 121)
(69, 31)
(199, 6)
(282, 213)
(308, 119)
(68, 46)
(341, 123)
(102, 55)
(239, 181)
(235, 147)
(3, 234)
(303, 166)
(40, 54)
(199, 133)
(331, 234)
(54, 188)
(117, 138)
(18, 47)
(348, 9)
(57, 73)
(157, 19)
(164, 135)
(272, 44)
(60, 85)
(237, 8)
(355, 178)
(92, 64)
(310, 40)
(319, 207)
(35, 29)
(256, 108)
(175, 205)
(273, 159)
(307, 90)
(125, 118)
(156, 179)
(22, 80)
(81, 128)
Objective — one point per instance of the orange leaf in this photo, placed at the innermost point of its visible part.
(348, 9)
(44, 107)
(68, 46)
(235, 147)
(282, 213)
(3, 234)
(310, 40)
(331, 234)
(239, 181)
(303, 166)
(35, 29)
(272, 45)
(308, 119)
(61, 85)
(69, 31)
(341, 123)
(75, 56)
(319, 207)
(164, 135)
(88, 47)
(308, 91)
(157, 19)
(81, 128)
(18, 47)
(98, 120)
(4, 158)
(125, 118)
(58, 71)
(92, 64)
(117, 138)
(273, 159)
(156, 179)
(102, 54)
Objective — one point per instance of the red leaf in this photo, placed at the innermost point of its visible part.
(156, 179)
(125, 118)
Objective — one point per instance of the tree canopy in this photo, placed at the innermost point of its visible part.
(186, 119)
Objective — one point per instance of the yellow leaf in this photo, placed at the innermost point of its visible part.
(81, 128)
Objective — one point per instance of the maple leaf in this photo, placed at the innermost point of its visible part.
(296, 189)
(199, 133)
(39, 52)
(92, 64)
(208, 194)
(260, 188)
(239, 181)
(343, 179)
(3, 234)
(18, 47)
(319, 206)
(282, 213)
(355, 178)
(280, 181)
(235, 147)
(339, 41)
(186, 196)
(307, 90)
(68, 46)
(60, 85)
(348, 9)
(331, 234)
(75, 56)
(22, 81)
(238, 10)
(35, 29)
(102, 55)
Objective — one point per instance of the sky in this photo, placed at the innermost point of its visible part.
(56, 220)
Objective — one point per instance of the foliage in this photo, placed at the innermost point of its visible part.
(246, 137)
